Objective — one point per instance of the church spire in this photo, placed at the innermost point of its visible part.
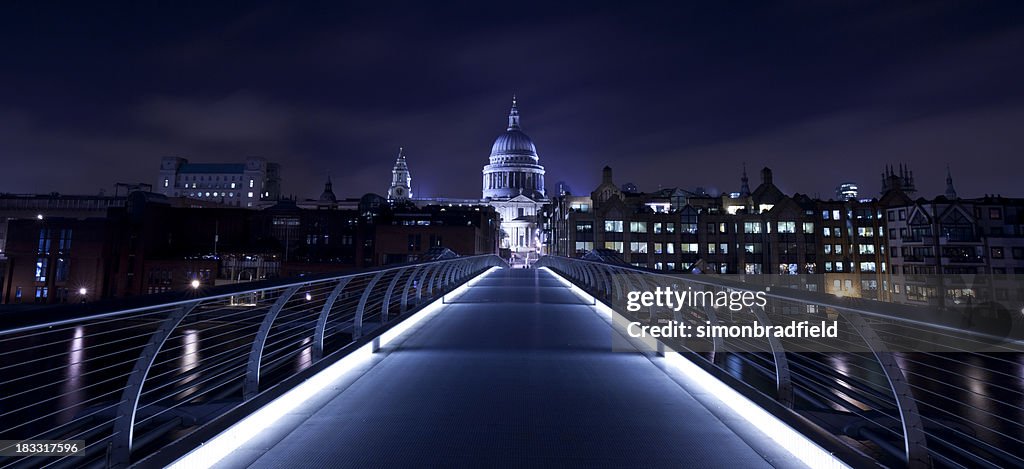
(745, 188)
(513, 115)
(328, 194)
(950, 191)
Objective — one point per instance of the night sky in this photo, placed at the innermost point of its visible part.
(667, 94)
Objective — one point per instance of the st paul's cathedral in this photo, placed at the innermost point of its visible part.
(513, 183)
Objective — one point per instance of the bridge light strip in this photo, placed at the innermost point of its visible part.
(801, 447)
(231, 439)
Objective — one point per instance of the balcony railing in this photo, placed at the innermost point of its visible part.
(967, 260)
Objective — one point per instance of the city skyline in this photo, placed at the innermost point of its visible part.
(821, 94)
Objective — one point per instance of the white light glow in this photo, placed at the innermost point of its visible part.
(791, 440)
(238, 434)
(82, 291)
(195, 284)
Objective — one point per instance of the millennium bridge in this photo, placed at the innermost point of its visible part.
(467, 362)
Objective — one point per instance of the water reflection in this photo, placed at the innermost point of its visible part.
(71, 387)
(305, 358)
(190, 357)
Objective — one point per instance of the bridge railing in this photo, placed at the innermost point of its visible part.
(129, 382)
(894, 386)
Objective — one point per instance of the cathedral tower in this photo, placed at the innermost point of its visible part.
(401, 180)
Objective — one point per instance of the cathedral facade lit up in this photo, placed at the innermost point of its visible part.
(513, 183)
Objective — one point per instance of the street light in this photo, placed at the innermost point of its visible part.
(195, 284)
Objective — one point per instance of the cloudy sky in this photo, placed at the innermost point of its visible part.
(672, 94)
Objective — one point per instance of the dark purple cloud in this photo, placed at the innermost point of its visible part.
(669, 95)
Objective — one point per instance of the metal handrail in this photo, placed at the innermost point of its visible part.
(134, 380)
(872, 390)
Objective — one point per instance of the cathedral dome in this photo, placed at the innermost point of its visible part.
(514, 167)
(514, 143)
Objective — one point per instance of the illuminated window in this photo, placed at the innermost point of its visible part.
(166, 182)
(42, 265)
(614, 245)
(638, 247)
(638, 227)
(252, 183)
(250, 195)
(613, 226)
(787, 227)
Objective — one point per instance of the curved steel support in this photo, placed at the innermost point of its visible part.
(405, 291)
(124, 423)
(357, 323)
(617, 281)
(421, 283)
(605, 279)
(429, 282)
(915, 442)
(436, 276)
(251, 387)
(321, 321)
(446, 271)
(717, 343)
(455, 273)
(783, 379)
(584, 276)
(387, 296)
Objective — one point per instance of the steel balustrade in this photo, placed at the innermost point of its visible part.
(134, 380)
(855, 392)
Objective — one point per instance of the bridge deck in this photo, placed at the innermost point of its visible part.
(517, 372)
